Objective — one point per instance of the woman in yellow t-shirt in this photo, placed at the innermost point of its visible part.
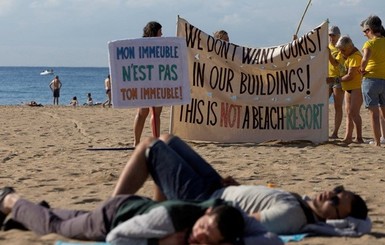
(351, 84)
(373, 70)
(335, 70)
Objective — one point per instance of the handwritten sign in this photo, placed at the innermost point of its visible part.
(149, 72)
(244, 94)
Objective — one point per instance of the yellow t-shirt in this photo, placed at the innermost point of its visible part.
(376, 63)
(336, 71)
(353, 60)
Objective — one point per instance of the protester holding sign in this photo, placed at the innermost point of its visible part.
(222, 34)
(335, 71)
(152, 29)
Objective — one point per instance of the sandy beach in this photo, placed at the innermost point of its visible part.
(44, 155)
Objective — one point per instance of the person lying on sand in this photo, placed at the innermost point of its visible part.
(34, 103)
(136, 220)
(181, 173)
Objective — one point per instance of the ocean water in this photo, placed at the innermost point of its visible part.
(19, 85)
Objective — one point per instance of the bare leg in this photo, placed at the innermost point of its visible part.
(349, 120)
(375, 116)
(356, 102)
(155, 120)
(338, 95)
(382, 124)
(140, 119)
(135, 171)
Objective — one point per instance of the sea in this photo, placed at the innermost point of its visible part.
(21, 85)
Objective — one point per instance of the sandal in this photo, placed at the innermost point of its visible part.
(3, 193)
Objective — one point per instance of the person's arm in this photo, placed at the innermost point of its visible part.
(333, 60)
(353, 65)
(256, 233)
(145, 229)
(352, 72)
(366, 53)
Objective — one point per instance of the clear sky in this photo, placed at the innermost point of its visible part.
(75, 33)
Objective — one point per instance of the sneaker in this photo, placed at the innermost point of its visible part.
(382, 140)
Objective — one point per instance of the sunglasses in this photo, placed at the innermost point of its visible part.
(335, 200)
(365, 31)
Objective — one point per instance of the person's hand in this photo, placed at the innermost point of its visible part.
(177, 238)
(228, 181)
(362, 71)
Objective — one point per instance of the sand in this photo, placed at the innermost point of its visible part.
(44, 156)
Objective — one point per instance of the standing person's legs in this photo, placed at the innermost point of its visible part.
(109, 98)
(155, 121)
(349, 120)
(356, 103)
(338, 97)
(382, 114)
(139, 121)
(382, 125)
(375, 117)
(373, 90)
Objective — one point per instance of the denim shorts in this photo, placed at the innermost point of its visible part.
(335, 84)
(180, 172)
(373, 90)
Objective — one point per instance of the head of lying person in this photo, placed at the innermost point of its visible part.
(220, 224)
(338, 204)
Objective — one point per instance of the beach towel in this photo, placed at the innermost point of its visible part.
(80, 243)
(293, 238)
(340, 227)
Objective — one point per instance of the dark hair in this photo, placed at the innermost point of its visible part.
(151, 29)
(230, 222)
(359, 208)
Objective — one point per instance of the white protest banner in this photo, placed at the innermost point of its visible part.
(149, 72)
(243, 94)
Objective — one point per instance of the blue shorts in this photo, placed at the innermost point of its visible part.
(180, 172)
(335, 84)
(373, 90)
